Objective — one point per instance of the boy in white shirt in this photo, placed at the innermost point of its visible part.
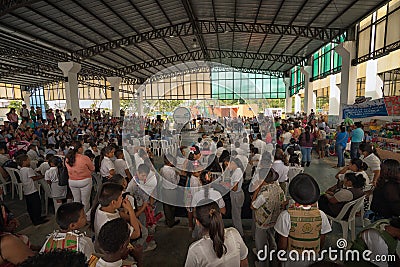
(121, 167)
(28, 176)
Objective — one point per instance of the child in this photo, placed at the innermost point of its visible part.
(120, 165)
(28, 176)
(147, 244)
(107, 168)
(113, 241)
(58, 193)
(267, 202)
(70, 218)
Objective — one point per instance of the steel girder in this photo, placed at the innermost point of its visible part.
(211, 27)
(40, 54)
(35, 70)
(214, 54)
(7, 6)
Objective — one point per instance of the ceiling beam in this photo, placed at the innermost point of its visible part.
(6, 6)
(210, 27)
(213, 54)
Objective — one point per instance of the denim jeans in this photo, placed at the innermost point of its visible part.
(354, 154)
(306, 152)
(340, 154)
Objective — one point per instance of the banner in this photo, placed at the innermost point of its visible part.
(367, 109)
(392, 105)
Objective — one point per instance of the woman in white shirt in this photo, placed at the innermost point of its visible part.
(237, 196)
(369, 155)
(218, 247)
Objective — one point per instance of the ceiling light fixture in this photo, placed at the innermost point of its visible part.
(194, 45)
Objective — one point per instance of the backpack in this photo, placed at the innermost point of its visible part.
(63, 176)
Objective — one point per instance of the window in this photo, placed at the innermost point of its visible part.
(326, 61)
(296, 80)
(391, 82)
(360, 91)
(322, 100)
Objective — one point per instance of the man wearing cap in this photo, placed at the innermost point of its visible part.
(303, 226)
(267, 204)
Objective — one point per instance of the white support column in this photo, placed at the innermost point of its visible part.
(140, 100)
(308, 90)
(70, 70)
(297, 103)
(334, 97)
(26, 96)
(348, 86)
(373, 83)
(288, 102)
(115, 83)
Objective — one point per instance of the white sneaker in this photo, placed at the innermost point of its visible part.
(150, 246)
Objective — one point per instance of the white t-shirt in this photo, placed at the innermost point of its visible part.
(28, 185)
(281, 169)
(376, 245)
(106, 166)
(85, 244)
(103, 263)
(170, 177)
(201, 253)
(286, 138)
(212, 194)
(43, 168)
(120, 167)
(237, 176)
(374, 164)
(103, 217)
(57, 191)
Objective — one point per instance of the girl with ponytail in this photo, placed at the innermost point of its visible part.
(80, 168)
(219, 246)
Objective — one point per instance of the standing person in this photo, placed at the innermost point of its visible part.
(285, 138)
(80, 168)
(33, 203)
(371, 158)
(236, 192)
(24, 113)
(267, 203)
(306, 142)
(13, 118)
(321, 143)
(357, 136)
(32, 113)
(219, 246)
(291, 223)
(340, 145)
(169, 184)
(120, 165)
(58, 193)
(39, 113)
(107, 167)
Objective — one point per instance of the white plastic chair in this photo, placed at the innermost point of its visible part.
(354, 206)
(293, 171)
(16, 185)
(156, 147)
(4, 184)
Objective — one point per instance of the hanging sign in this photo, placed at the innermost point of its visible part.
(367, 109)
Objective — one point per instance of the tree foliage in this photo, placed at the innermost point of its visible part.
(17, 104)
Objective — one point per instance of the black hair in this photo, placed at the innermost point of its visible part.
(113, 235)
(205, 182)
(21, 158)
(209, 216)
(107, 193)
(342, 129)
(56, 258)
(369, 148)
(390, 171)
(118, 153)
(357, 180)
(49, 156)
(105, 151)
(71, 155)
(89, 154)
(361, 165)
(143, 168)
(280, 155)
(117, 179)
(68, 213)
(307, 133)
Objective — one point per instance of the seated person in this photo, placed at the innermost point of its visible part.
(59, 258)
(386, 195)
(70, 218)
(336, 197)
(356, 166)
(113, 244)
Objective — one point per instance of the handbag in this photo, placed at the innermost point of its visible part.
(63, 176)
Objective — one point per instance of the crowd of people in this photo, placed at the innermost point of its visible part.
(97, 176)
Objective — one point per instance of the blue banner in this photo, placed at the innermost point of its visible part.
(367, 109)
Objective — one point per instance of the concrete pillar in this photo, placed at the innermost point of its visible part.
(373, 83)
(140, 100)
(288, 102)
(348, 86)
(26, 96)
(70, 70)
(297, 103)
(308, 89)
(115, 83)
(334, 97)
